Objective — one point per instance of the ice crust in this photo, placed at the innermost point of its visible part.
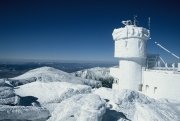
(83, 107)
(22, 113)
(137, 106)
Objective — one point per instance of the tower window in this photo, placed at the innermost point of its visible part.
(155, 89)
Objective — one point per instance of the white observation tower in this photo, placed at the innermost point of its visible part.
(130, 47)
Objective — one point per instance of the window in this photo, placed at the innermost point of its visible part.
(155, 89)
(147, 88)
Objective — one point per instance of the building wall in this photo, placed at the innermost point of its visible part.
(131, 47)
(131, 71)
(161, 85)
(115, 72)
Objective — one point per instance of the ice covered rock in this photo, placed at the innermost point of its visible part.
(135, 106)
(49, 74)
(155, 112)
(53, 92)
(22, 113)
(83, 107)
(7, 95)
(97, 73)
(123, 96)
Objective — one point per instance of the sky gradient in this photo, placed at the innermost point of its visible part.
(81, 30)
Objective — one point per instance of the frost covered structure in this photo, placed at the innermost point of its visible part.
(130, 47)
(138, 70)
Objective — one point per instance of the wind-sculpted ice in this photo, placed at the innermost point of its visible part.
(83, 107)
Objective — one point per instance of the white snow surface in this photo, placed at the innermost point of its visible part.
(49, 74)
(53, 92)
(136, 106)
(83, 107)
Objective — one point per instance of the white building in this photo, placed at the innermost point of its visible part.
(136, 71)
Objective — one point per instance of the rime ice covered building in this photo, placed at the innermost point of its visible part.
(138, 70)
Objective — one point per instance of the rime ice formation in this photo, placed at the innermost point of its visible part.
(84, 107)
(138, 70)
(7, 95)
(97, 73)
(135, 106)
(49, 74)
(23, 113)
(130, 47)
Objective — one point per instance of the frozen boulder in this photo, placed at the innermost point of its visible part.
(155, 112)
(7, 95)
(136, 106)
(123, 96)
(82, 107)
(22, 113)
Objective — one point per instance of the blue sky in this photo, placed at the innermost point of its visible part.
(81, 30)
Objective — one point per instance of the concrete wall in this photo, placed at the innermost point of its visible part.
(161, 85)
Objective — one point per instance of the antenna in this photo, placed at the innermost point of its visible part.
(135, 20)
(149, 23)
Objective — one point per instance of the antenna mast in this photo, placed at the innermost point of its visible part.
(149, 23)
(135, 20)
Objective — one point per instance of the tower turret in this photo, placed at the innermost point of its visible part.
(130, 47)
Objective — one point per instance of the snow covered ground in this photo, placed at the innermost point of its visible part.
(53, 99)
(49, 74)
